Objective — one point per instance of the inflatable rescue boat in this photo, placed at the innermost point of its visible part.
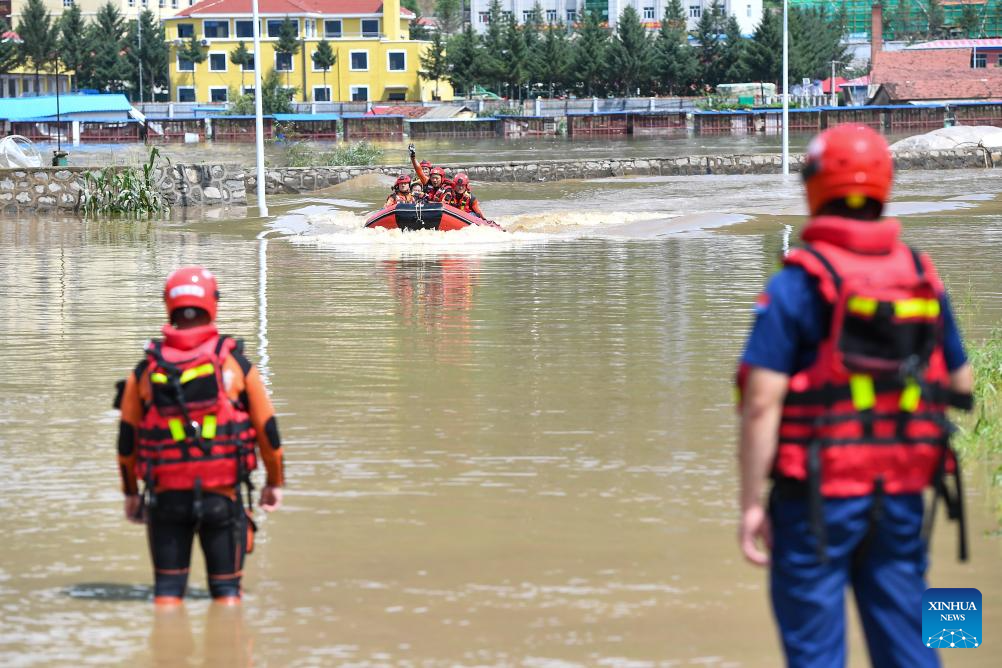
(426, 216)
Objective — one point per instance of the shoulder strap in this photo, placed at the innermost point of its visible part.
(221, 343)
(836, 279)
(917, 259)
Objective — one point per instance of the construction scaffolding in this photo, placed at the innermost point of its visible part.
(909, 19)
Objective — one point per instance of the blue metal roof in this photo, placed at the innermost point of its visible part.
(504, 116)
(54, 119)
(16, 108)
(599, 113)
(307, 117)
(453, 120)
(233, 117)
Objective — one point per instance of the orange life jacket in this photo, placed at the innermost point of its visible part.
(872, 407)
(402, 199)
(443, 193)
(464, 202)
(192, 433)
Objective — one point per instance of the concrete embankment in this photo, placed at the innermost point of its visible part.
(215, 185)
(307, 179)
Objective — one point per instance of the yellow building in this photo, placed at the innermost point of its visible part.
(375, 58)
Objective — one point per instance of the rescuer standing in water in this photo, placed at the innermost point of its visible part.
(191, 413)
(852, 360)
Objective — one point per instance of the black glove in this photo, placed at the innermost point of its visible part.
(412, 150)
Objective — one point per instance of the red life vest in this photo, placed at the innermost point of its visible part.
(192, 432)
(443, 193)
(464, 202)
(873, 404)
(402, 199)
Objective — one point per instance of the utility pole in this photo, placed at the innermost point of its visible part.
(139, 32)
(786, 91)
(258, 114)
(834, 94)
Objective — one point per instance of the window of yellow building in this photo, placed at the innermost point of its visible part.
(243, 29)
(370, 27)
(216, 29)
(332, 29)
(185, 30)
(359, 93)
(396, 61)
(359, 61)
(217, 61)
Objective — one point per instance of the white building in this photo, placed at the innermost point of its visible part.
(747, 12)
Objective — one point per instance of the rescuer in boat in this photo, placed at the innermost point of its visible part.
(462, 198)
(437, 187)
(417, 192)
(401, 192)
(192, 412)
(845, 380)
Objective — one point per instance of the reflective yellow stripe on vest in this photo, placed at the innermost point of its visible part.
(864, 306)
(176, 429)
(209, 427)
(864, 397)
(197, 372)
(910, 396)
(916, 308)
(159, 378)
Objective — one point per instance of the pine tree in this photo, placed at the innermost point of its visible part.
(903, 19)
(491, 66)
(415, 29)
(555, 58)
(241, 57)
(324, 58)
(516, 59)
(764, 55)
(450, 15)
(73, 39)
(434, 64)
(463, 56)
(675, 61)
(9, 54)
(152, 57)
(194, 51)
(711, 51)
(532, 32)
(38, 37)
(589, 53)
(631, 56)
(935, 17)
(734, 52)
(107, 70)
(969, 22)
(288, 43)
(815, 42)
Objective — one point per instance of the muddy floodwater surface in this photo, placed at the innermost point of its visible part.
(502, 448)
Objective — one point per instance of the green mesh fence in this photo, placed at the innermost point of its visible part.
(909, 19)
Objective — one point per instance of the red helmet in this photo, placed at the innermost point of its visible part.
(461, 180)
(426, 164)
(847, 161)
(192, 287)
(403, 179)
(439, 171)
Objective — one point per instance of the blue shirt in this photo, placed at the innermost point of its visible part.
(792, 318)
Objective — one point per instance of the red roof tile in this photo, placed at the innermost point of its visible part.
(290, 7)
(935, 75)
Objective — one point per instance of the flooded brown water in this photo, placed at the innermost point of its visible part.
(502, 449)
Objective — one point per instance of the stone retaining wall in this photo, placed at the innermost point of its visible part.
(306, 179)
(61, 188)
(212, 185)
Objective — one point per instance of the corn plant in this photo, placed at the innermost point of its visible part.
(126, 191)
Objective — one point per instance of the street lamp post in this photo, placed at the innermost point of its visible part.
(786, 89)
(258, 113)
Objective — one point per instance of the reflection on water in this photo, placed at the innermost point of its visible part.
(502, 449)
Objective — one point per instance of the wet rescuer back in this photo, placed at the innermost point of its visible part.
(852, 361)
(191, 413)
